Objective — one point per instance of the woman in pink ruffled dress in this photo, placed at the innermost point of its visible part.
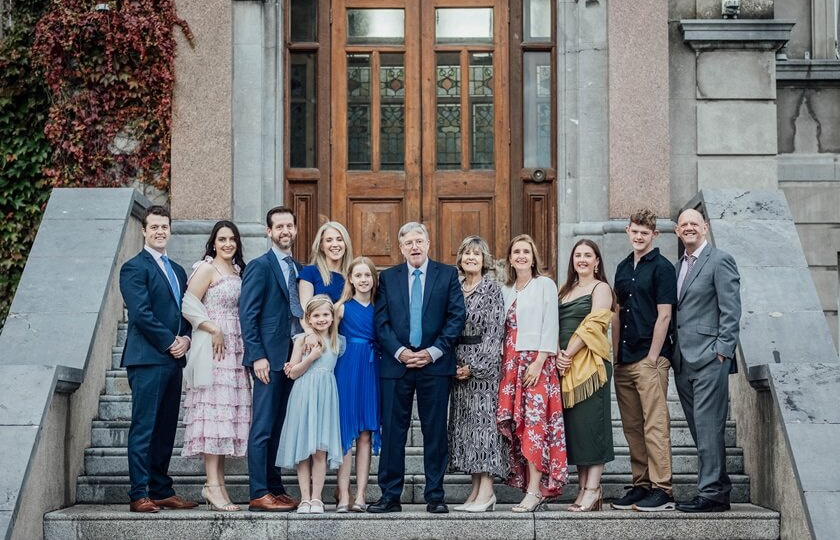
(217, 417)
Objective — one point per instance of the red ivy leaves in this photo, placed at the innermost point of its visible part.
(110, 75)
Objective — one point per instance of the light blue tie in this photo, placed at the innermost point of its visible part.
(415, 310)
(173, 281)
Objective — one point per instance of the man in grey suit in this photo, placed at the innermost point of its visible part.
(707, 321)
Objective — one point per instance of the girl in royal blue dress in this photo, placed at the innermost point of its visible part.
(357, 376)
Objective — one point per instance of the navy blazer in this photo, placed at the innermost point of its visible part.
(264, 312)
(154, 315)
(444, 315)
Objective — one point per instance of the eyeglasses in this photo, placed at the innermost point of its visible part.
(411, 243)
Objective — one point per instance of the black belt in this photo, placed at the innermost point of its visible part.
(470, 340)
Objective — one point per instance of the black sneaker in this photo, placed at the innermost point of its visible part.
(656, 501)
(634, 494)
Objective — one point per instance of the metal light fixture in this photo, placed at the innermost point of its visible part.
(730, 9)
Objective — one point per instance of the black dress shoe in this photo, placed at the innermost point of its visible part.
(702, 504)
(437, 507)
(384, 506)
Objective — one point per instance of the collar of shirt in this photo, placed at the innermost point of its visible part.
(649, 256)
(157, 255)
(423, 269)
(697, 251)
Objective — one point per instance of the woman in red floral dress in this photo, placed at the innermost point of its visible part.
(530, 412)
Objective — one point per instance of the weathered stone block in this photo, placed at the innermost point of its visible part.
(747, 173)
(739, 204)
(736, 128)
(813, 202)
(806, 393)
(790, 337)
(759, 243)
(816, 468)
(728, 74)
(28, 332)
(821, 242)
(24, 393)
(16, 446)
(822, 511)
(825, 281)
(777, 289)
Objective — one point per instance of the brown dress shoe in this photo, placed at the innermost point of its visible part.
(144, 505)
(286, 499)
(268, 503)
(176, 503)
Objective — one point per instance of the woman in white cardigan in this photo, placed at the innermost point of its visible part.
(530, 412)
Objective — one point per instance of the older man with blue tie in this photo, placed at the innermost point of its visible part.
(419, 315)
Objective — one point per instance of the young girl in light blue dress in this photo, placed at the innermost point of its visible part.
(311, 436)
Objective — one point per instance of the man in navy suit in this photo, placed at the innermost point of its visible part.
(419, 315)
(269, 312)
(156, 345)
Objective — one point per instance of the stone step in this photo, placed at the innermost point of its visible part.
(114, 433)
(114, 489)
(84, 522)
(118, 407)
(113, 462)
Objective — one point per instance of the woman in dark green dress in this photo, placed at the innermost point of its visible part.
(586, 303)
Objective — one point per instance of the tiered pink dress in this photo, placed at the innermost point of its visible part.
(217, 418)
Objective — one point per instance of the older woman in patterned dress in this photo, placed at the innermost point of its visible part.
(475, 444)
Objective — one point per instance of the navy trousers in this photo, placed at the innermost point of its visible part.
(432, 401)
(268, 412)
(155, 402)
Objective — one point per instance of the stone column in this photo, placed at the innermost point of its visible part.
(736, 100)
(638, 107)
(201, 113)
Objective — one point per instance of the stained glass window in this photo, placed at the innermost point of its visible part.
(482, 113)
(302, 108)
(358, 112)
(392, 107)
(448, 124)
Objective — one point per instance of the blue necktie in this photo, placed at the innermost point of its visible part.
(294, 297)
(415, 310)
(173, 281)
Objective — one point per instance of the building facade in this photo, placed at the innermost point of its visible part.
(553, 117)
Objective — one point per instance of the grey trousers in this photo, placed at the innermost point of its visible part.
(704, 394)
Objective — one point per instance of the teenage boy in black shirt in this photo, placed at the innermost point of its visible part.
(646, 289)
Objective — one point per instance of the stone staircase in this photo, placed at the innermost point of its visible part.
(102, 495)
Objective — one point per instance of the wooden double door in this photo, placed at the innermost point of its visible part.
(419, 123)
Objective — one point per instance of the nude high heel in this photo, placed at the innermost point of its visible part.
(489, 506)
(595, 506)
(538, 506)
(226, 507)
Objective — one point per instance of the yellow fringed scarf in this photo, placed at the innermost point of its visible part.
(587, 373)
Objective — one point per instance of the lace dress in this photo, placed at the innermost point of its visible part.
(217, 418)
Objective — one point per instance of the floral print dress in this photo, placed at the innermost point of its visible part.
(531, 418)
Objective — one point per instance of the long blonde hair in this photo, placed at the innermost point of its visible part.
(317, 301)
(349, 290)
(318, 257)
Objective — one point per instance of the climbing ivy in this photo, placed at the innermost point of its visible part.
(24, 150)
(109, 67)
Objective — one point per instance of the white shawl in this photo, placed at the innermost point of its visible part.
(199, 370)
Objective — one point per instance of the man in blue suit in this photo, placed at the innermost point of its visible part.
(158, 339)
(269, 313)
(419, 315)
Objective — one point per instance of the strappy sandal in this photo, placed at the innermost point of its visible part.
(211, 505)
(538, 506)
(595, 506)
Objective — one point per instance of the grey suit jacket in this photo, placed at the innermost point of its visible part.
(708, 310)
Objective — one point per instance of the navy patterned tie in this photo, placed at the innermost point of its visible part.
(294, 297)
(689, 264)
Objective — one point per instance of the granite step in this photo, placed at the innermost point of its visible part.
(118, 407)
(106, 522)
(114, 489)
(114, 433)
(114, 462)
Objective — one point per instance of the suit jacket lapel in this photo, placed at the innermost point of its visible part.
(698, 266)
(162, 275)
(433, 272)
(274, 264)
(401, 279)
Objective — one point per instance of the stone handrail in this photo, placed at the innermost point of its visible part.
(56, 346)
(784, 400)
